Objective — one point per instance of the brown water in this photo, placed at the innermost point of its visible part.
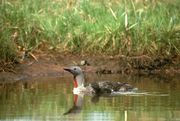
(49, 98)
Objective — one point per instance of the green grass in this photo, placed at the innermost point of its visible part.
(116, 27)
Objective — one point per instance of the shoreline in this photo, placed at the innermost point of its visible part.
(51, 65)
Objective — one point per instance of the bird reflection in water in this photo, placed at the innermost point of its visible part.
(77, 105)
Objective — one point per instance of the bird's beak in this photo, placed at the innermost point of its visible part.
(67, 69)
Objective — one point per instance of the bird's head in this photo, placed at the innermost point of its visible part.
(77, 72)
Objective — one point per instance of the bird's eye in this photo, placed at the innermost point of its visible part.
(74, 68)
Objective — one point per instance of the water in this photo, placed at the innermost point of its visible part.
(50, 98)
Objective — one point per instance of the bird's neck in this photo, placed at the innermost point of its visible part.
(75, 83)
(78, 81)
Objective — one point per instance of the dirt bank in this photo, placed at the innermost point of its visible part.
(51, 64)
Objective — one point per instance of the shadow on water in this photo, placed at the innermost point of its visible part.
(52, 99)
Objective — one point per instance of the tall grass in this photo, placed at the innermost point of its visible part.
(116, 27)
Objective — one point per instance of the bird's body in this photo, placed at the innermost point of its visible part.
(98, 88)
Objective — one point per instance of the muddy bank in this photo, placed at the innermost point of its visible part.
(51, 64)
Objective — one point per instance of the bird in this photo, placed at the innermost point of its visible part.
(96, 88)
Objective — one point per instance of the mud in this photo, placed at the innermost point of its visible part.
(50, 64)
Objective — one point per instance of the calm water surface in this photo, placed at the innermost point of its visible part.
(50, 98)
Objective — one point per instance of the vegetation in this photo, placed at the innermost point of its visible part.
(125, 27)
